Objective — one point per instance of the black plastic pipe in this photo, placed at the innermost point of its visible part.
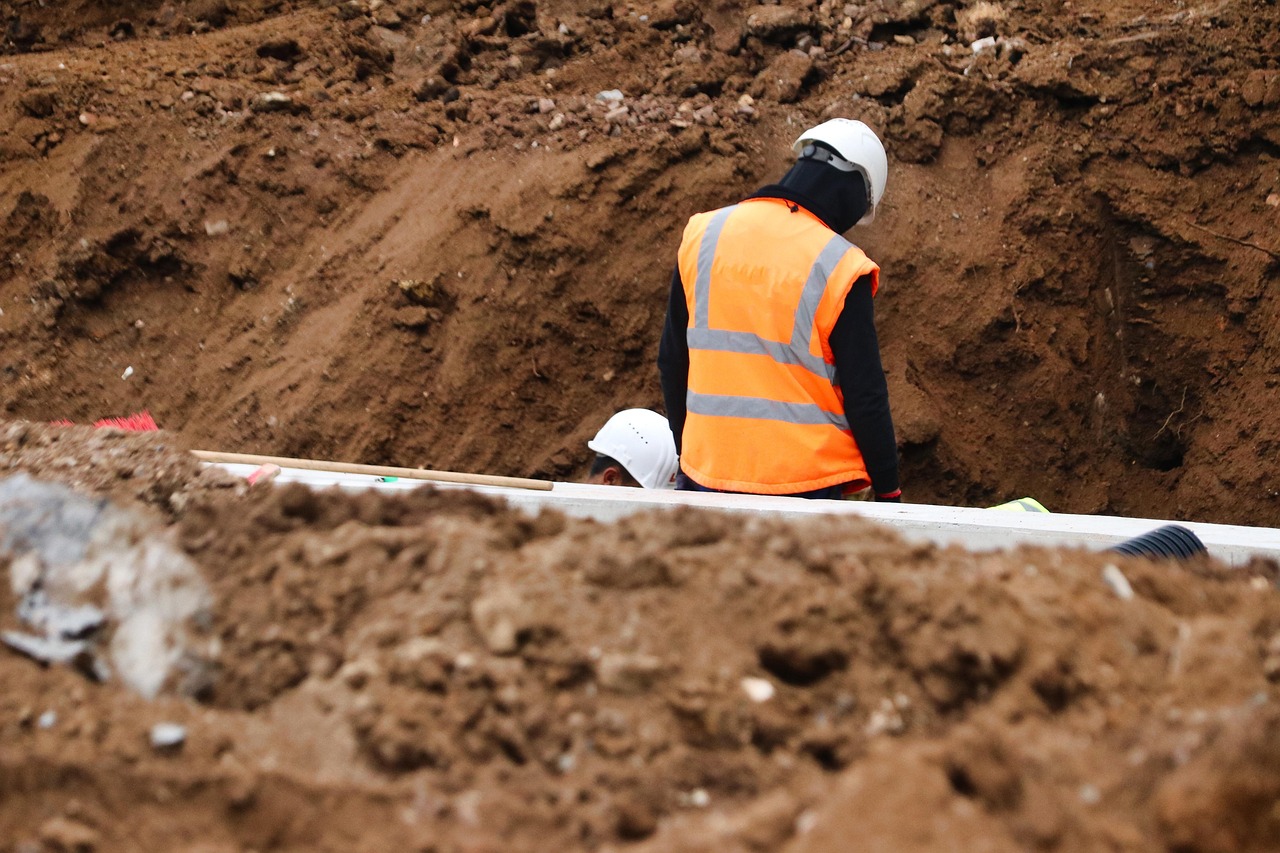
(1172, 540)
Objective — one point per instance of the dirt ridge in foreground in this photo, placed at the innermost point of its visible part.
(434, 671)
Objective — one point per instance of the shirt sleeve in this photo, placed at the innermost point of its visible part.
(866, 392)
(673, 358)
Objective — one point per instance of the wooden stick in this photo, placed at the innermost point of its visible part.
(374, 470)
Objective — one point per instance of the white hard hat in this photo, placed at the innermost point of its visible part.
(641, 440)
(860, 148)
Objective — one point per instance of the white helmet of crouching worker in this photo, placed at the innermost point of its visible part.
(859, 150)
(641, 441)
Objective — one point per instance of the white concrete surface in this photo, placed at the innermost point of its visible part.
(973, 528)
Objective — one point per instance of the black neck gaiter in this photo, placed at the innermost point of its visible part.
(838, 198)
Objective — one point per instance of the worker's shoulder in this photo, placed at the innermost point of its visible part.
(701, 221)
(704, 214)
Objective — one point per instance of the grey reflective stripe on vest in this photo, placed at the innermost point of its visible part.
(758, 408)
(722, 340)
(811, 297)
(707, 254)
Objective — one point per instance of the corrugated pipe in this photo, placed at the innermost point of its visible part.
(1172, 540)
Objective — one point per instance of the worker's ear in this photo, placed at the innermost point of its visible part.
(611, 476)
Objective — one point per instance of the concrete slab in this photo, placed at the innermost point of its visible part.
(976, 529)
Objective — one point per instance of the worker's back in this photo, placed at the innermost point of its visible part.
(764, 282)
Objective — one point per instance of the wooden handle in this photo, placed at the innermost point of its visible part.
(374, 470)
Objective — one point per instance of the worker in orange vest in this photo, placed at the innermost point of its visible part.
(769, 360)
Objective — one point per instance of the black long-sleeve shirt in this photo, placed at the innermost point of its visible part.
(861, 375)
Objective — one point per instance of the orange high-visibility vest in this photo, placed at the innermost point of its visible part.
(765, 282)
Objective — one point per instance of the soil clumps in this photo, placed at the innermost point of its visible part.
(434, 671)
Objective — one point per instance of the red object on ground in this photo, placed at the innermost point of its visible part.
(137, 422)
(264, 474)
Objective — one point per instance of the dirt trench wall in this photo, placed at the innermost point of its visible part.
(414, 234)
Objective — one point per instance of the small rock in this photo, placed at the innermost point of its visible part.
(216, 228)
(423, 291)
(784, 79)
(546, 105)
(627, 673)
(698, 798)
(168, 736)
(609, 96)
(758, 689)
(617, 115)
(47, 720)
(1261, 88)
(557, 122)
(706, 115)
(777, 23)
(988, 43)
(1274, 200)
(41, 103)
(387, 17)
(1114, 578)
(270, 102)
(65, 834)
(689, 54)
(669, 14)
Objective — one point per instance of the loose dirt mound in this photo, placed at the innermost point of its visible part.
(439, 673)
(435, 234)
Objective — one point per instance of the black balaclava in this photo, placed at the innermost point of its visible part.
(837, 198)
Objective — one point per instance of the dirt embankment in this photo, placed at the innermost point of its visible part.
(414, 232)
(439, 673)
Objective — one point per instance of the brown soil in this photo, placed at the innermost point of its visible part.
(435, 245)
(436, 672)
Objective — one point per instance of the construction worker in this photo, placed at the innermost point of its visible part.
(634, 448)
(770, 365)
